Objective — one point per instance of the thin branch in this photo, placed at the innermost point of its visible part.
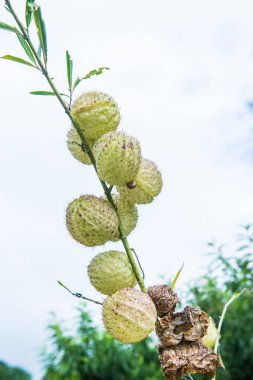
(234, 297)
(137, 258)
(226, 306)
(79, 295)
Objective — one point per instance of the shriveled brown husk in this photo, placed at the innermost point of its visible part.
(164, 299)
(187, 358)
(189, 325)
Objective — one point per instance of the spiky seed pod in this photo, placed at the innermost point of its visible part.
(91, 220)
(129, 315)
(211, 335)
(118, 158)
(110, 271)
(128, 214)
(96, 113)
(75, 146)
(148, 184)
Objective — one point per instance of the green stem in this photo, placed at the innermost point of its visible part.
(226, 306)
(107, 192)
(79, 295)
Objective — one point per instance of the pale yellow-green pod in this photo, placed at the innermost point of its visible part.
(129, 315)
(75, 147)
(96, 114)
(128, 214)
(92, 221)
(118, 158)
(212, 334)
(110, 271)
(145, 186)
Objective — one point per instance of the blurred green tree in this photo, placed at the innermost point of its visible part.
(92, 354)
(229, 274)
(12, 373)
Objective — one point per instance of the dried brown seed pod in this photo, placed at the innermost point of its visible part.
(164, 299)
(189, 325)
(187, 358)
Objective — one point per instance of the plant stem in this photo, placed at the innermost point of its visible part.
(226, 306)
(79, 295)
(87, 149)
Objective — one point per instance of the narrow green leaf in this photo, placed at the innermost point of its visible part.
(26, 48)
(41, 29)
(90, 74)
(8, 27)
(176, 277)
(95, 72)
(42, 93)
(69, 69)
(39, 50)
(45, 93)
(7, 8)
(221, 361)
(77, 81)
(29, 12)
(61, 284)
(17, 59)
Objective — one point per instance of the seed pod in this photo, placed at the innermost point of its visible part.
(164, 299)
(96, 113)
(129, 315)
(75, 146)
(128, 214)
(110, 271)
(212, 334)
(187, 358)
(188, 325)
(117, 157)
(148, 184)
(92, 221)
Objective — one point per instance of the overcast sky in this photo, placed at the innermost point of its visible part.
(182, 74)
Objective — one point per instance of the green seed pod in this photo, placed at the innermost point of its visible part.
(128, 214)
(110, 271)
(92, 221)
(146, 185)
(96, 113)
(212, 334)
(129, 315)
(75, 146)
(117, 157)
